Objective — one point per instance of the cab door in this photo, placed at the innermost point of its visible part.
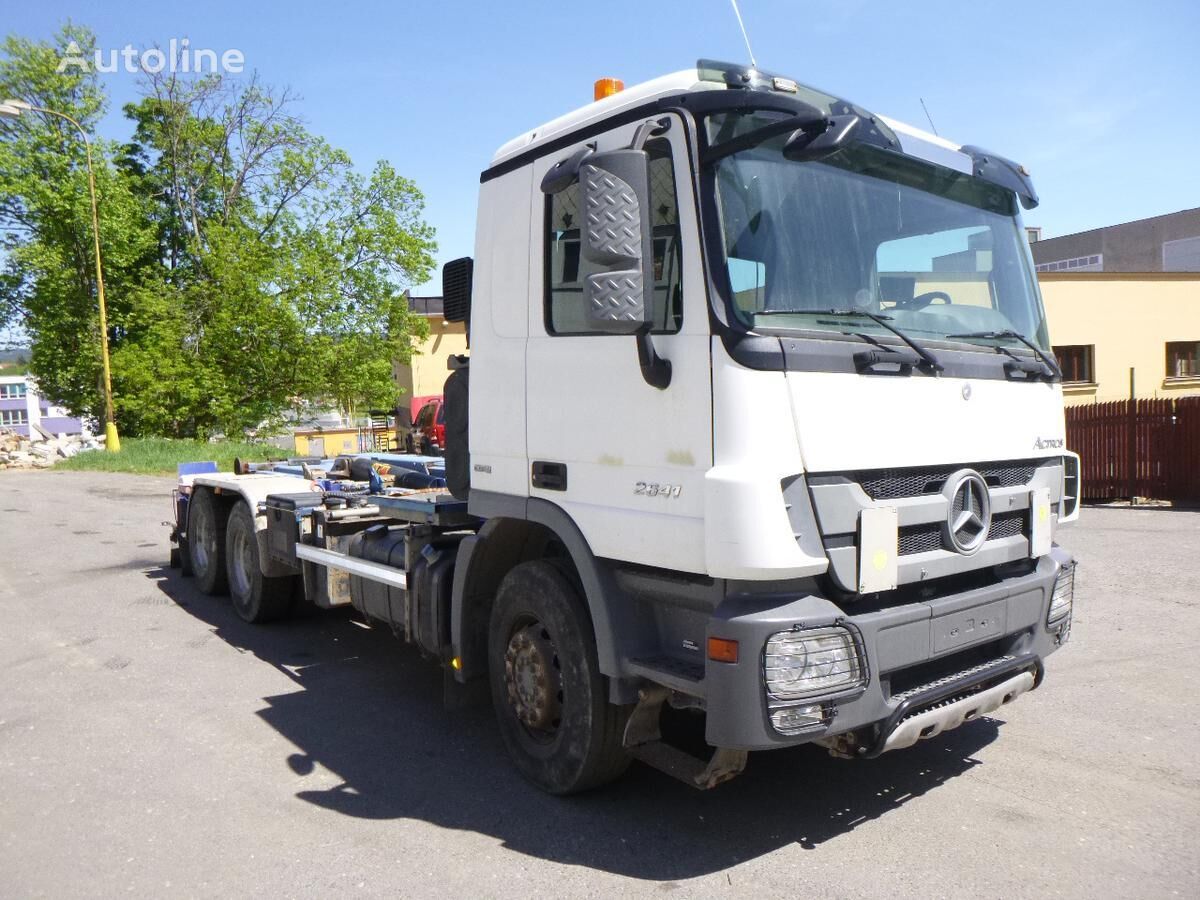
(626, 460)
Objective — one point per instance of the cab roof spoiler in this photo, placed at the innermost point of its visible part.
(1003, 172)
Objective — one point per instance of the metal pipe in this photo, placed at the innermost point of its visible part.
(362, 568)
(14, 108)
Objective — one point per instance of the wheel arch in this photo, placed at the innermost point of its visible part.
(545, 532)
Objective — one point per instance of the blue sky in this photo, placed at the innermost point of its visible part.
(1098, 99)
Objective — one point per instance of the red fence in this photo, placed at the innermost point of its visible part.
(1141, 448)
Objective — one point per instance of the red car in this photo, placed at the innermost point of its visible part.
(429, 428)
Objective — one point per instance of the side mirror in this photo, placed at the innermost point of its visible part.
(615, 192)
(456, 289)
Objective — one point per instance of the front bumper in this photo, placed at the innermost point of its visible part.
(928, 713)
(914, 654)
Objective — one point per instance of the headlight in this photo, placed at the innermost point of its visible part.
(804, 663)
(1064, 595)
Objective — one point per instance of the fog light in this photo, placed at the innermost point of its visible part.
(794, 719)
(800, 664)
(1063, 598)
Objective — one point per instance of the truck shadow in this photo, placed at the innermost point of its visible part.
(369, 710)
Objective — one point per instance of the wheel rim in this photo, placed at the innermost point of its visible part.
(239, 564)
(200, 546)
(533, 680)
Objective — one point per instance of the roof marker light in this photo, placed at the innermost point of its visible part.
(606, 87)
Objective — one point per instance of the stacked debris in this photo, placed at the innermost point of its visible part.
(41, 450)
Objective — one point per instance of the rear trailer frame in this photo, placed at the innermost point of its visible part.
(390, 556)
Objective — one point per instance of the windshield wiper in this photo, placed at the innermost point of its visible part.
(930, 361)
(1055, 371)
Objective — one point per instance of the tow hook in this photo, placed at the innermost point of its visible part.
(842, 746)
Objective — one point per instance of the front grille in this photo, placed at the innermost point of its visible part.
(928, 536)
(891, 484)
(920, 538)
(1006, 525)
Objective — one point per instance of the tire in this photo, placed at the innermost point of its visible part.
(550, 698)
(185, 560)
(206, 542)
(256, 598)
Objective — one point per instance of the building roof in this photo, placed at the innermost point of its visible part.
(1166, 243)
(426, 306)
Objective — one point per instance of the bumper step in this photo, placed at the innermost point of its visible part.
(952, 712)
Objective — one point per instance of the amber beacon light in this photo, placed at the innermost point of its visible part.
(606, 87)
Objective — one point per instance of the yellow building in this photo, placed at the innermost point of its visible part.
(426, 374)
(1102, 324)
(327, 442)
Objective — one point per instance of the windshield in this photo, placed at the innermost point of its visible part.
(938, 253)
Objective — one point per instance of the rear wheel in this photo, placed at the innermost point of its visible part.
(256, 598)
(547, 689)
(206, 542)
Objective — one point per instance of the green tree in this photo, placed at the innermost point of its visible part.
(250, 267)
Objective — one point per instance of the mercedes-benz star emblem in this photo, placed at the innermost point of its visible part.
(970, 511)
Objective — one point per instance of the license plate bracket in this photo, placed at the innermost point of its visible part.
(968, 626)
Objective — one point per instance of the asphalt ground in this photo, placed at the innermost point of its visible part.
(153, 744)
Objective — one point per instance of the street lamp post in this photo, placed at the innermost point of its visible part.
(13, 109)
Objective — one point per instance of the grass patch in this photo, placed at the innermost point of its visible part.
(161, 456)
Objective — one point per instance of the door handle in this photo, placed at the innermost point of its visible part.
(549, 476)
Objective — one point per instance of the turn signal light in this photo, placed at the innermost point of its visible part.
(606, 87)
(722, 649)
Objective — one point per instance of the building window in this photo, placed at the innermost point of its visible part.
(1076, 362)
(13, 391)
(13, 417)
(1183, 359)
(1093, 263)
(566, 268)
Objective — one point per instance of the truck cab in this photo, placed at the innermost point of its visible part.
(816, 416)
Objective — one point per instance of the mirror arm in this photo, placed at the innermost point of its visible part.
(647, 130)
(655, 369)
(564, 173)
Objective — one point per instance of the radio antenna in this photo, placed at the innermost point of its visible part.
(742, 25)
(927, 115)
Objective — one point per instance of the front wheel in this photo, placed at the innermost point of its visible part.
(256, 598)
(555, 719)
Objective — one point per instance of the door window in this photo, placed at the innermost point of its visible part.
(566, 268)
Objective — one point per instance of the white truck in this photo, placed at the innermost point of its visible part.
(760, 428)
